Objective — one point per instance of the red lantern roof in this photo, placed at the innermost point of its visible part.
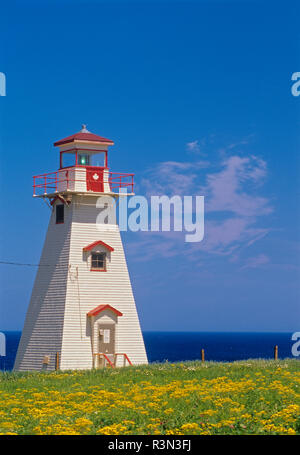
(84, 135)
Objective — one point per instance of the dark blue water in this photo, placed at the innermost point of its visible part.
(225, 346)
(180, 346)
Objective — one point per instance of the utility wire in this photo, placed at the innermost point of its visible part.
(18, 263)
(31, 265)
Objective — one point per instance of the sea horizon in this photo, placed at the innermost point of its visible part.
(178, 346)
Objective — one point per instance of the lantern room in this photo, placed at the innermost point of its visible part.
(83, 149)
(83, 168)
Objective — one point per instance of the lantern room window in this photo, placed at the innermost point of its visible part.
(60, 213)
(68, 159)
(98, 261)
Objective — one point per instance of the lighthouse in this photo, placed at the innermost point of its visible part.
(82, 312)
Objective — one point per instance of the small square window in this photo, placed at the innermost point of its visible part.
(98, 261)
(60, 213)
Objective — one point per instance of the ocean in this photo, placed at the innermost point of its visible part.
(180, 346)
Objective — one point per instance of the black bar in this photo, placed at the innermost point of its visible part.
(160, 444)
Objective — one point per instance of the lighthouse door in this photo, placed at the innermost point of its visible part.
(106, 338)
(94, 179)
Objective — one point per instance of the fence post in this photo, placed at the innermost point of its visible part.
(202, 355)
(57, 361)
(276, 353)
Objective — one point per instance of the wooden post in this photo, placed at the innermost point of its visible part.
(276, 353)
(57, 361)
(202, 355)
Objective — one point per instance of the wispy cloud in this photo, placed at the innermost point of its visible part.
(172, 177)
(234, 204)
(193, 146)
(257, 261)
(229, 189)
(227, 236)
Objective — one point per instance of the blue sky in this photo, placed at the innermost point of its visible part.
(197, 97)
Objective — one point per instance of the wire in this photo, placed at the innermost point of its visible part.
(30, 265)
(18, 263)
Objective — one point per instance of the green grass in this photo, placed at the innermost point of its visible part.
(248, 397)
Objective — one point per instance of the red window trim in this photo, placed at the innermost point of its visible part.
(100, 308)
(98, 270)
(96, 243)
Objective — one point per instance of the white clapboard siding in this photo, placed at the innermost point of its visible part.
(63, 295)
(73, 179)
(42, 333)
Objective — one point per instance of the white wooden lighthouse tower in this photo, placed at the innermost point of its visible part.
(82, 312)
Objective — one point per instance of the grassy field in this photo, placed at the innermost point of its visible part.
(249, 397)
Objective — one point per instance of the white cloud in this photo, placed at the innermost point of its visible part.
(256, 261)
(172, 177)
(193, 146)
(227, 189)
(233, 204)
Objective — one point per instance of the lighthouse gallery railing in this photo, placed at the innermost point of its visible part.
(51, 182)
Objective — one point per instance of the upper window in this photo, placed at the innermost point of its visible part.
(60, 213)
(68, 159)
(99, 261)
